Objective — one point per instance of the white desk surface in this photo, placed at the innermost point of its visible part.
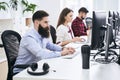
(71, 69)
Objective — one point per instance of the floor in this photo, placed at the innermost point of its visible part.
(3, 65)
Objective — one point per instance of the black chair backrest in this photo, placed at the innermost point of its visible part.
(53, 33)
(11, 42)
(88, 21)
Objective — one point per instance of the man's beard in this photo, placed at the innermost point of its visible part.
(44, 32)
(82, 18)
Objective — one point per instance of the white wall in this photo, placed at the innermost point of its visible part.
(105, 5)
(75, 5)
(18, 19)
(119, 6)
(52, 7)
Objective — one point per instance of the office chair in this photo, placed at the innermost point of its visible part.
(1, 45)
(53, 33)
(88, 21)
(11, 41)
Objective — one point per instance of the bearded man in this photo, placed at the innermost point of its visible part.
(35, 44)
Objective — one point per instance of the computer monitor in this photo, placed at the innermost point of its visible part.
(115, 26)
(118, 21)
(108, 40)
(110, 24)
(110, 17)
(118, 15)
(110, 14)
(98, 30)
(115, 20)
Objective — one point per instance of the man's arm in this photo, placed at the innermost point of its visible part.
(83, 30)
(53, 47)
(35, 48)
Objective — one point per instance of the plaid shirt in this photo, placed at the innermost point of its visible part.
(78, 27)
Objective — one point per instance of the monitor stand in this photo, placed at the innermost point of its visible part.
(105, 60)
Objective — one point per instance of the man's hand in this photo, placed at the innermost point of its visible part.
(67, 50)
(88, 32)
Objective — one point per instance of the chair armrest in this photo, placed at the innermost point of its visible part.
(1, 45)
(23, 66)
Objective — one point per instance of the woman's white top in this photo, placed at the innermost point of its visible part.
(64, 33)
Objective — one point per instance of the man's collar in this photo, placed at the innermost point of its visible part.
(36, 33)
(78, 19)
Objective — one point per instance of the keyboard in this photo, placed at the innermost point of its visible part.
(70, 56)
(73, 45)
(77, 42)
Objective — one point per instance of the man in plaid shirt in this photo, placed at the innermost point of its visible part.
(78, 25)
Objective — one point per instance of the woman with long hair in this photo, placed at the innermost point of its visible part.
(64, 32)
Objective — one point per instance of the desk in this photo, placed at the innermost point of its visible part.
(71, 69)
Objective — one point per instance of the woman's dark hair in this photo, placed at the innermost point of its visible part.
(38, 15)
(64, 13)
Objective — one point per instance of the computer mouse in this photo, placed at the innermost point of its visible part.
(83, 40)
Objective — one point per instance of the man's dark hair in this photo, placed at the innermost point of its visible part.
(38, 15)
(83, 9)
